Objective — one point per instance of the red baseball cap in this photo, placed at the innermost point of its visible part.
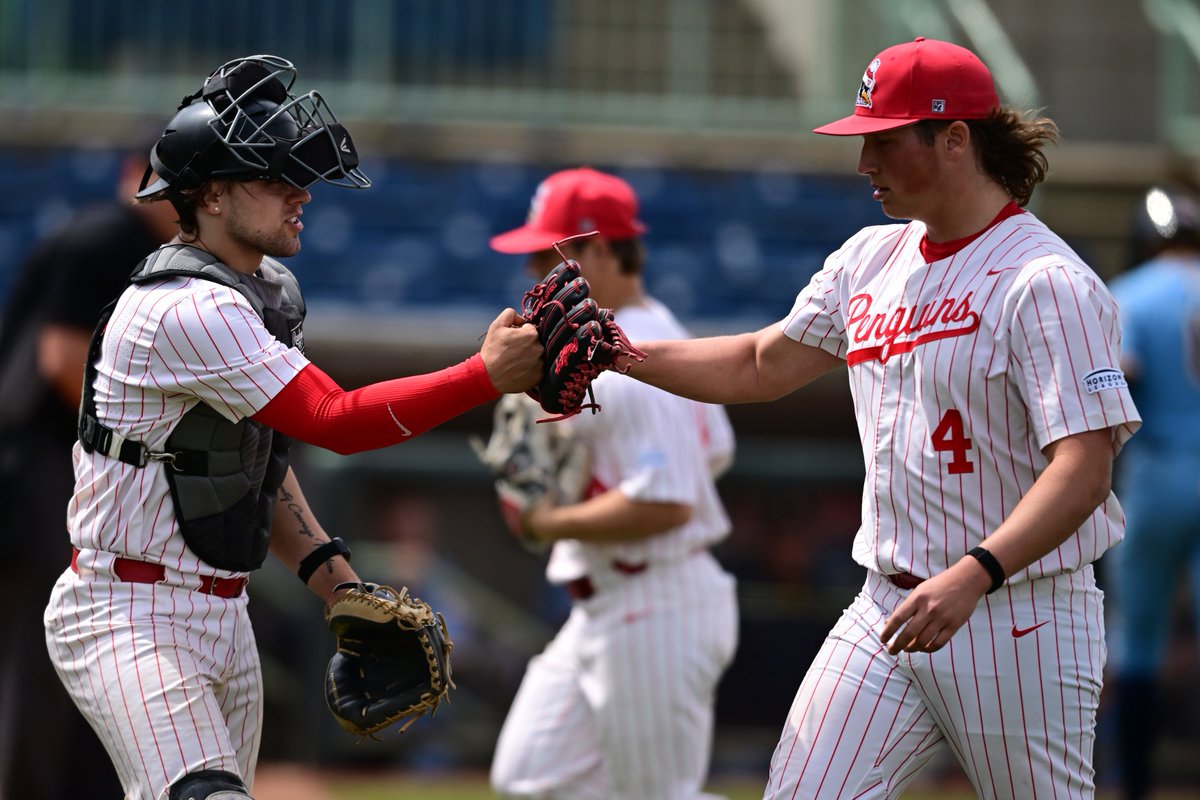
(574, 201)
(921, 79)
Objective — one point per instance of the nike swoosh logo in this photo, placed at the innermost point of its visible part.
(633, 616)
(998, 271)
(1019, 632)
(399, 424)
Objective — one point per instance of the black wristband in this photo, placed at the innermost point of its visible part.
(990, 564)
(334, 547)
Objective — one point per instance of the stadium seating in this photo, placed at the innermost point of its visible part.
(722, 245)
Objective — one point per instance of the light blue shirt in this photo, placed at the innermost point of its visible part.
(1160, 318)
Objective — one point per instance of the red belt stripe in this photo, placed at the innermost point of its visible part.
(132, 571)
(583, 588)
(905, 580)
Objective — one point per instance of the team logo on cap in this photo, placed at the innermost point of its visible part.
(538, 202)
(867, 86)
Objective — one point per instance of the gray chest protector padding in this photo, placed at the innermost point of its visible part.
(226, 474)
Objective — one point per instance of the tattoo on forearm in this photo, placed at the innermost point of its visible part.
(297, 510)
(302, 526)
(301, 522)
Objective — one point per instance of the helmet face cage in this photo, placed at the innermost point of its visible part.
(261, 131)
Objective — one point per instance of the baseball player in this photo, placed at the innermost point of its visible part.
(983, 358)
(620, 703)
(1159, 474)
(195, 385)
(47, 323)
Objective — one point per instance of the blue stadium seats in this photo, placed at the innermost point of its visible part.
(721, 244)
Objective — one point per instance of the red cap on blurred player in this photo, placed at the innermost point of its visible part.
(922, 79)
(571, 202)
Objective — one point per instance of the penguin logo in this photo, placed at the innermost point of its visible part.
(867, 86)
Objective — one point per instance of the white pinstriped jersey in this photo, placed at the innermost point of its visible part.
(656, 447)
(962, 371)
(606, 711)
(168, 346)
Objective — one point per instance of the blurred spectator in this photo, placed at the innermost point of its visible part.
(1159, 472)
(408, 525)
(44, 334)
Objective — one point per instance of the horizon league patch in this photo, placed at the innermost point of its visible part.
(1100, 379)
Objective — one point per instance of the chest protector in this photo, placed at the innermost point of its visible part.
(223, 475)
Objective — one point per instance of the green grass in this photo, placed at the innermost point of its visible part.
(298, 781)
(409, 788)
(430, 789)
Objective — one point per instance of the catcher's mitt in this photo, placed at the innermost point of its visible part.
(531, 462)
(580, 338)
(392, 661)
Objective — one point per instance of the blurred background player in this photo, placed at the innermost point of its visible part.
(1159, 472)
(620, 703)
(56, 301)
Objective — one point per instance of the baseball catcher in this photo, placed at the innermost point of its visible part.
(392, 661)
(580, 338)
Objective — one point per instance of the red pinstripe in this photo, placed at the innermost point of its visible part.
(657, 639)
(946, 355)
(159, 347)
(929, 741)
(200, 377)
(970, 743)
(863, 739)
(176, 647)
(1058, 395)
(892, 724)
(232, 334)
(250, 329)
(1036, 321)
(824, 716)
(139, 524)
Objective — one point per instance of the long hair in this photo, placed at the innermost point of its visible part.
(1009, 145)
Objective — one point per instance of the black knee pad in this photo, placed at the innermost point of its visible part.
(209, 784)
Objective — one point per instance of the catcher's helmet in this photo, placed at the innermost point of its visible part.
(244, 122)
(1164, 217)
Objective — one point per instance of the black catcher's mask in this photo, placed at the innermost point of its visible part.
(245, 123)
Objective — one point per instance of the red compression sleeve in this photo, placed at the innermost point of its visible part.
(314, 409)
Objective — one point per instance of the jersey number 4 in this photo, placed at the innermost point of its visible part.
(949, 436)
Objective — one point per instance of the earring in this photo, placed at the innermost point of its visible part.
(216, 209)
